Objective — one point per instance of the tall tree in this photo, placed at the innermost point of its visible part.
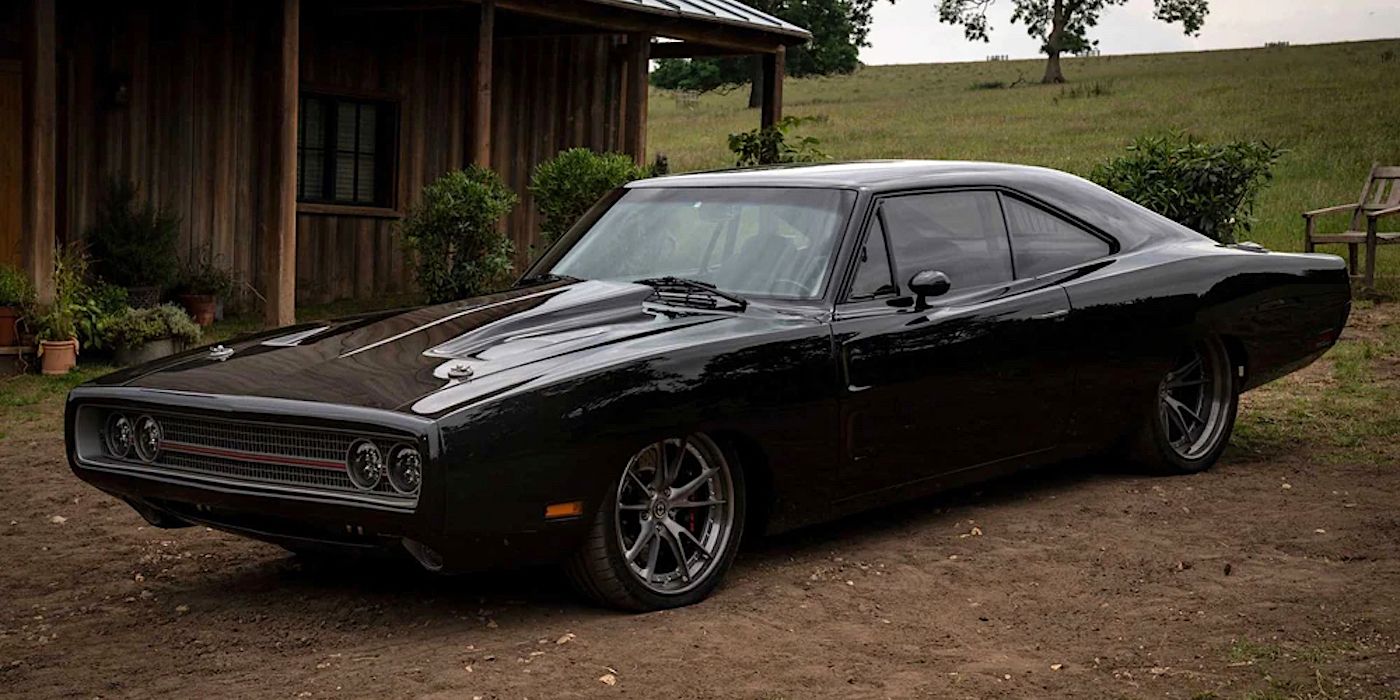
(1063, 25)
(839, 29)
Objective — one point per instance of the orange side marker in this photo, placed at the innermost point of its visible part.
(572, 509)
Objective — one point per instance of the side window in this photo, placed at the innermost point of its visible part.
(960, 234)
(1043, 242)
(872, 266)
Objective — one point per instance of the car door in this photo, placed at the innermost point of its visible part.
(974, 378)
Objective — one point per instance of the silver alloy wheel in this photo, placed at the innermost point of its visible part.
(675, 513)
(1194, 398)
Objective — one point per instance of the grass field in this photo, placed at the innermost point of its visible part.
(1335, 107)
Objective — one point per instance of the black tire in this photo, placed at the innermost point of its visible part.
(600, 572)
(1159, 445)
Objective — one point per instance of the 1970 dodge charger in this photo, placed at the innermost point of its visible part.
(712, 355)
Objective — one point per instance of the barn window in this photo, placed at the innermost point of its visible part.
(345, 151)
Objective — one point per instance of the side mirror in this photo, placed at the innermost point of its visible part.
(929, 284)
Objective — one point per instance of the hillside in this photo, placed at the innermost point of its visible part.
(1333, 106)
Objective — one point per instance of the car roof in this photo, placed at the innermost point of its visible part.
(1130, 224)
(874, 174)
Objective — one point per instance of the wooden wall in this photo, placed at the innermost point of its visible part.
(175, 96)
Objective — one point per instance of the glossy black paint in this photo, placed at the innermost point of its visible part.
(832, 407)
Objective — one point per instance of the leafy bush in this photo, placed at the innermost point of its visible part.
(133, 328)
(575, 180)
(453, 233)
(770, 145)
(86, 303)
(1210, 188)
(133, 244)
(203, 276)
(15, 289)
(54, 322)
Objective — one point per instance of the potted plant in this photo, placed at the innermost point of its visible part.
(15, 294)
(143, 335)
(57, 334)
(133, 244)
(203, 285)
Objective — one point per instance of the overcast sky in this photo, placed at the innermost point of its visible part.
(909, 30)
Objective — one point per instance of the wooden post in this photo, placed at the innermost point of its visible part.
(40, 98)
(773, 69)
(481, 93)
(634, 137)
(282, 214)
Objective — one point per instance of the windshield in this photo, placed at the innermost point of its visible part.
(753, 241)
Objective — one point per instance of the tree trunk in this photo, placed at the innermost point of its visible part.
(1054, 43)
(1052, 68)
(756, 85)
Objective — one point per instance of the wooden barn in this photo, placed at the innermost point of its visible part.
(290, 135)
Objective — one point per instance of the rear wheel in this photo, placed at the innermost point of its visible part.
(1190, 422)
(668, 529)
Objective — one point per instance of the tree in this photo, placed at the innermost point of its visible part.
(839, 29)
(1063, 25)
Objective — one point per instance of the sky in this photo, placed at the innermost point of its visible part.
(909, 31)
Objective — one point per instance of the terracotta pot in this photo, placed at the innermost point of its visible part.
(201, 307)
(58, 356)
(9, 333)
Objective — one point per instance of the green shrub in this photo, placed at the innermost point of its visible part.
(770, 145)
(1210, 188)
(203, 276)
(567, 186)
(87, 303)
(453, 234)
(54, 322)
(133, 328)
(15, 289)
(133, 244)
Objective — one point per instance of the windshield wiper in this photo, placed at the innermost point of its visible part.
(544, 278)
(679, 291)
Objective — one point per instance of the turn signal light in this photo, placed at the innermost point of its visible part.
(572, 509)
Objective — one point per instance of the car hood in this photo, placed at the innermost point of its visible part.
(428, 360)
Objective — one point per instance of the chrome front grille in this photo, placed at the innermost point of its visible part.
(289, 457)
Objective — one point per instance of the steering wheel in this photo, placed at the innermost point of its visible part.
(804, 290)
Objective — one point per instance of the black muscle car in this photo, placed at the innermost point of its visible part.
(710, 355)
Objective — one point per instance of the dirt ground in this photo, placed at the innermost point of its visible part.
(1275, 575)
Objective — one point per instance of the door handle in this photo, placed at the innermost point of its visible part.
(1055, 315)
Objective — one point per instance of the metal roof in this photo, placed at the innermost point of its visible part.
(721, 11)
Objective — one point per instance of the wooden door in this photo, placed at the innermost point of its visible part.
(11, 163)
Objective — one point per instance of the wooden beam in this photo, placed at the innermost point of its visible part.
(634, 136)
(690, 49)
(481, 90)
(282, 216)
(773, 69)
(40, 97)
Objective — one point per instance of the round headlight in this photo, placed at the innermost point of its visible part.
(148, 438)
(405, 469)
(365, 463)
(120, 436)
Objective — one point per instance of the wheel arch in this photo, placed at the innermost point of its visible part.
(758, 477)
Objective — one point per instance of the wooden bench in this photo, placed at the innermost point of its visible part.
(1380, 198)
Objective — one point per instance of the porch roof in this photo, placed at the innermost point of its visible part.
(718, 11)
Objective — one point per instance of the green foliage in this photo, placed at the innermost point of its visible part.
(768, 146)
(204, 276)
(86, 302)
(133, 244)
(54, 322)
(1211, 188)
(839, 29)
(132, 328)
(15, 289)
(573, 181)
(453, 234)
(1063, 27)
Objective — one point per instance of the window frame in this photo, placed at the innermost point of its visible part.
(843, 296)
(386, 153)
(1075, 222)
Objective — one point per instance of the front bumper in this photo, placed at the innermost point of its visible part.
(307, 520)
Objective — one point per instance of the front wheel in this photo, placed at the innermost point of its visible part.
(668, 529)
(1189, 424)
